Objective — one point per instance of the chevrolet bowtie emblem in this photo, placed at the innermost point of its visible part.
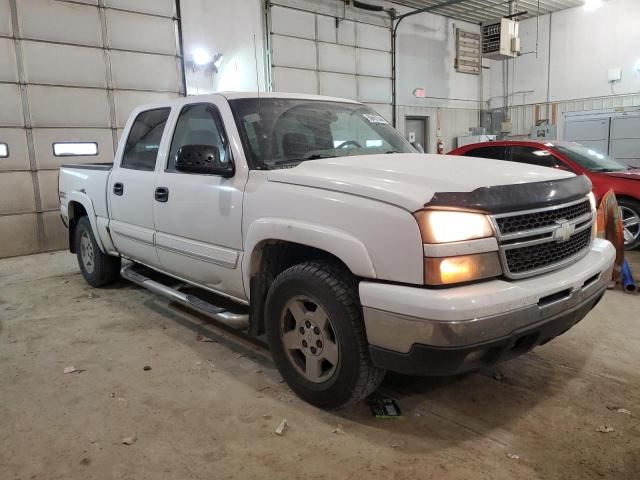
(564, 231)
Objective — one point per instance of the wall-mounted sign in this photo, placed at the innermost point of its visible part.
(467, 52)
(419, 93)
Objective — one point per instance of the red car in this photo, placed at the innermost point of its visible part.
(604, 172)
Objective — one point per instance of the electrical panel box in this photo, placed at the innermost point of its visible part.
(544, 132)
(500, 39)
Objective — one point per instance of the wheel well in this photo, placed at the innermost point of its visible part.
(628, 198)
(270, 258)
(75, 212)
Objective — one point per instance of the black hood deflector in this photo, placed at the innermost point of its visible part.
(510, 198)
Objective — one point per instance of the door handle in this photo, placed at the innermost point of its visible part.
(118, 188)
(162, 194)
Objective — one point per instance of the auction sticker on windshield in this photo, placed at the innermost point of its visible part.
(374, 118)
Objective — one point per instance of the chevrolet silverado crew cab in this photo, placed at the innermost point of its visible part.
(312, 221)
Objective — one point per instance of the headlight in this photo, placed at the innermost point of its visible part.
(466, 268)
(592, 201)
(439, 226)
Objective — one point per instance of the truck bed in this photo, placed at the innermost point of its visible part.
(86, 183)
(89, 166)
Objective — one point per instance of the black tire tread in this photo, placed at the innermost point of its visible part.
(344, 287)
(107, 267)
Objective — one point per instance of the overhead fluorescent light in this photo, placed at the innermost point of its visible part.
(4, 150)
(591, 5)
(70, 149)
(201, 57)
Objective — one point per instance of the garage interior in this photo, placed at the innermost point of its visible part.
(71, 72)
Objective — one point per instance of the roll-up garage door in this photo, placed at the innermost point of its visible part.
(70, 73)
(319, 54)
(625, 139)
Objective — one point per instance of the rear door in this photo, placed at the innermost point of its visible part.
(131, 187)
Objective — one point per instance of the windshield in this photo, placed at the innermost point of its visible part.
(282, 132)
(590, 158)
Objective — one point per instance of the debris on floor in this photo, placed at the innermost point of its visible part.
(615, 408)
(129, 440)
(385, 408)
(280, 428)
(513, 456)
(211, 364)
(606, 429)
(72, 370)
(146, 368)
(338, 430)
(266, 417)
(202, 338)
(498, 376)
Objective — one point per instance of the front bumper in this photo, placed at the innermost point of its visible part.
(451, 330)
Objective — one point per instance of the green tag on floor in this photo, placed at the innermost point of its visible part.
(385, 408)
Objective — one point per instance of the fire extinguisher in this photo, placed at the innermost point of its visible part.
(440, 145)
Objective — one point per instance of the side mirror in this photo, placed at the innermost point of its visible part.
(203, 159)
(418, 147)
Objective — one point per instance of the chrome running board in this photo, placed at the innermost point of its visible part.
(238, 321)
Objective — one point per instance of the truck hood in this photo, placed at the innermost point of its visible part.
(410, 180)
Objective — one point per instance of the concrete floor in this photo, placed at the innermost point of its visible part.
(208, 409)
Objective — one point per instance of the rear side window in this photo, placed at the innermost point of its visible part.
(533, 156)
(495, 152)
(141, 149)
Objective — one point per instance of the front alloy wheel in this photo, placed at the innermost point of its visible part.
(309, 338)
(316, 335)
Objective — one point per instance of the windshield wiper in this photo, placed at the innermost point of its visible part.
(314, 156)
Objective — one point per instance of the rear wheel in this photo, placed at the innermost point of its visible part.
(630, 210)
(316, 335)
(98, 269)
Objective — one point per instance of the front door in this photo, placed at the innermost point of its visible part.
(198, 217)
(131, 188)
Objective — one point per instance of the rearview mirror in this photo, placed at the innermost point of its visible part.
(203, 159)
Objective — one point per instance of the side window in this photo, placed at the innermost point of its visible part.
(141, 149)
(497, 153)
(533, 156)
(199, 124)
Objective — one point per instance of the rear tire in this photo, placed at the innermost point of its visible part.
(631, 222)
(316, 334)
(98, 269)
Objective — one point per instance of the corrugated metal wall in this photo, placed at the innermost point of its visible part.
(72, 72)
(523, 116)
(314, 53)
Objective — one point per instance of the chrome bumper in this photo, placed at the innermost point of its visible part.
(468, 315)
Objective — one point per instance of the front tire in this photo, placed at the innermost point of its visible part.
(317, 337)
(98, 269)
(630, 210)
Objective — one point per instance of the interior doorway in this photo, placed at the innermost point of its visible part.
(417, 131)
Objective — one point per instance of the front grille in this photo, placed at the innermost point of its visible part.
(537, 241)
(535, 257)
(541, 219)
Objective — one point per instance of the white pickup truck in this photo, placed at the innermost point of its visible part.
(311, 220)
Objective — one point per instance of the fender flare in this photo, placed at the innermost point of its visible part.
(350, 250)
(84, 200)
